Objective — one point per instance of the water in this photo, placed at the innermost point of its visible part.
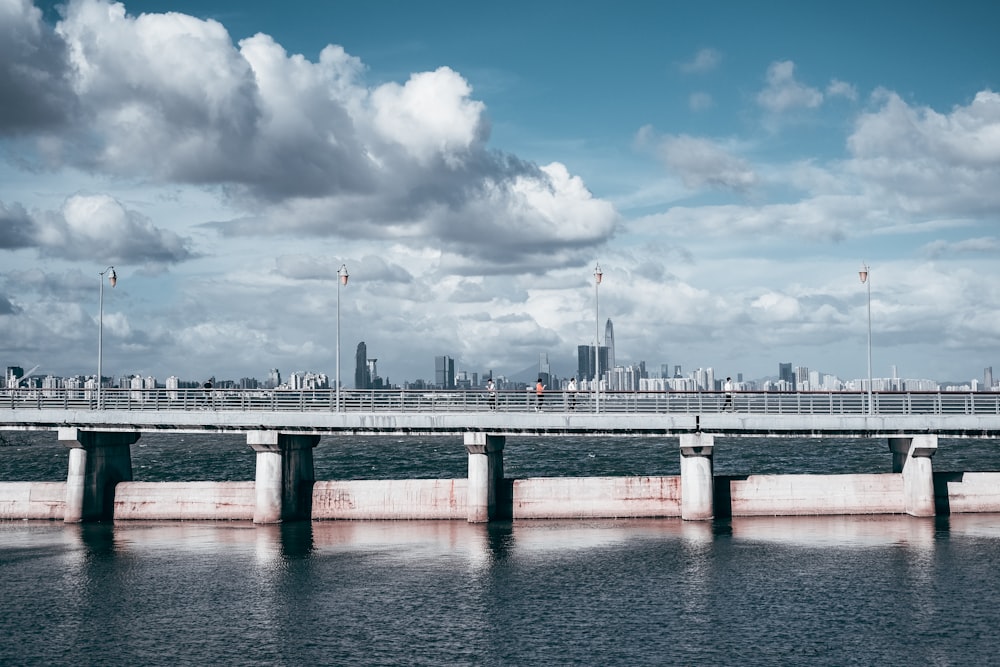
(891, 590)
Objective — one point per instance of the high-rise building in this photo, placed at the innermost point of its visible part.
(544, 371)
(988, 378)
(585, 362)
(802, 378)
(273, 378)
(362, 374)
(444, 372)
(13, 375)
(609, 342)
(785, 374)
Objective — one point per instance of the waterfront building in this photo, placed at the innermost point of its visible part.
(444, 372)
(609, 342)
(362, 372)
(785, 374)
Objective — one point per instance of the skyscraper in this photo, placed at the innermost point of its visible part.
(544, 372)
(585, 361)
(362, 373)
(609, 342)
(444, 372)
(785, 374)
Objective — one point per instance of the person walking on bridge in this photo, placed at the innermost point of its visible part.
(539, 395)
(491, 393)
(728, 388)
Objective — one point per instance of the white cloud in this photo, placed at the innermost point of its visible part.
(705, 60)
(837, 88)
(701, 162)
(783, 92)
(929, 163)
(431, 115)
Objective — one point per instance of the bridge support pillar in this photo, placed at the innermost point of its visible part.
(485, 475)
(697, 482)
(98, 460)
(912, 457)
(285, 475)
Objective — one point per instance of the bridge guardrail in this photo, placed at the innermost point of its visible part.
(434, 401)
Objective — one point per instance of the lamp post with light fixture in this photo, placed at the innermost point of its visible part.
(341, 280)
(597, 338)
(113, 279)
(865, 276)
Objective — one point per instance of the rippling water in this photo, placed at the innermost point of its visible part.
(887, 590)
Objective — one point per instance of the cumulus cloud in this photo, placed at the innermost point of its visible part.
(837, 88)
(98, 226)
(6, 307)
(302, 146)
(783, 92)
(431, 115)
(703, 61)
(17, 229)
(34, 72)
(929, 162)
(976, 246)
(700, 162)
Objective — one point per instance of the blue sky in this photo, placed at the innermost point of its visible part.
(729, 164)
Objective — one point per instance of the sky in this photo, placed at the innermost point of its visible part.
(729, 165)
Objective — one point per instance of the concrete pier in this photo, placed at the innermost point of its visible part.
(97, 462)
(285, 475)
(485, 475)
(697, 482)
(911, 456)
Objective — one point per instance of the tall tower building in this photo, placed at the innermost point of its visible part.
(585, 369)
(609, 341)
(988, 378)
(362, 373)
(444, 372)
(785, 374)
(544, 372)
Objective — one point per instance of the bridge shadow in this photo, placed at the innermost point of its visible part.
(504, 500)
(942, 503)
(722, 496)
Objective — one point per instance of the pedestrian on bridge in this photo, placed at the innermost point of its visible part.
(539, 395)
(728, 388)
(571, 390)
(491, 392)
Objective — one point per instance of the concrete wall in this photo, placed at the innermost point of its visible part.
(579, 497)
(32, 500)
(538, 498)
(777, 495)
(190, 501)
(960, 492)
(390, 499)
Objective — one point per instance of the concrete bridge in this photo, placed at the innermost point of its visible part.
(283, 427)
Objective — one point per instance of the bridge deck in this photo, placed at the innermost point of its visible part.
(637, 414)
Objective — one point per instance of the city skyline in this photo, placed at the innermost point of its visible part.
(730, 167)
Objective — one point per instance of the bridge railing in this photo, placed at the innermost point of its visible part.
(438, 401)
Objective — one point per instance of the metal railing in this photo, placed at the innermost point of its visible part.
(437, 401)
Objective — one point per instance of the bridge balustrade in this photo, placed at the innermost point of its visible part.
(434, 401)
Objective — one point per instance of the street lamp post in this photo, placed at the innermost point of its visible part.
(865, 276)
(113, 279)
(341, 280)
(597, 338)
